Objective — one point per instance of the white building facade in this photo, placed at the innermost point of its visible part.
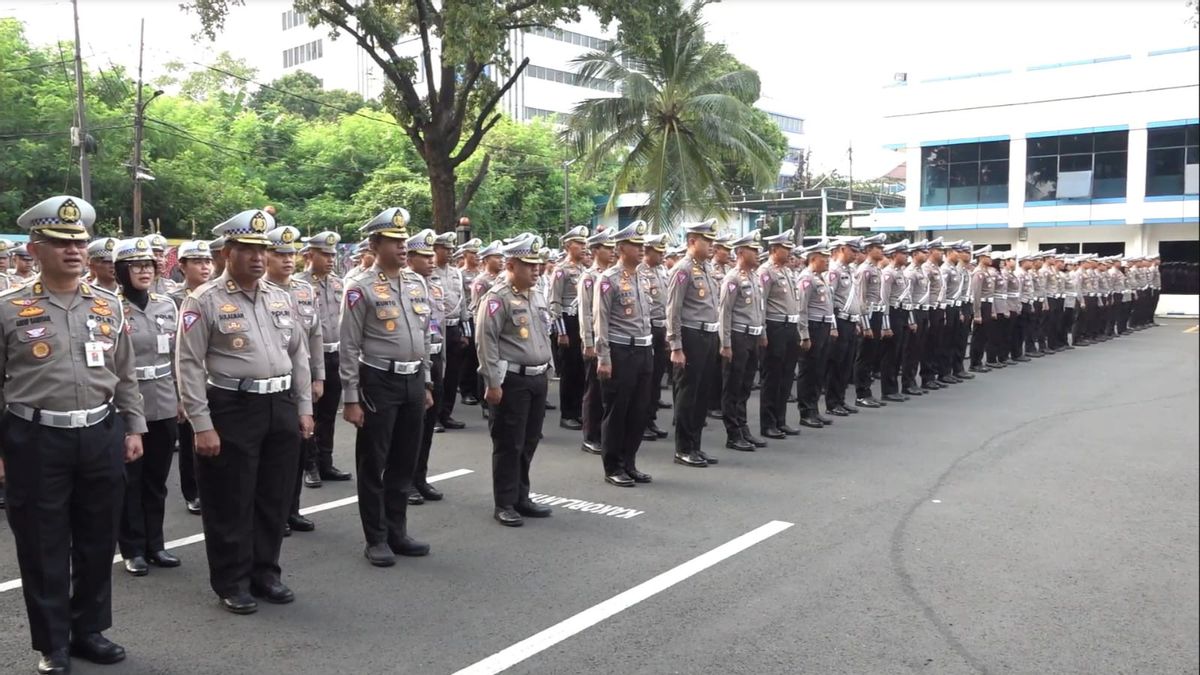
(1099, 155)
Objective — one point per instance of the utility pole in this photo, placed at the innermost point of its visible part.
(85, 165)
(850, 199)
(139, 127)
(566, 196)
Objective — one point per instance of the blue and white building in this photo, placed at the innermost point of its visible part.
(1098, 155)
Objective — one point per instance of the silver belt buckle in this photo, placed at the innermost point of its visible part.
(78, 418)
(755, 330)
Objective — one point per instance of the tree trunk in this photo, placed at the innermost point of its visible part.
(442, 190)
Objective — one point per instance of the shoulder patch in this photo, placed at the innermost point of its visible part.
(353, 296)
(189, 319)
(493, 306)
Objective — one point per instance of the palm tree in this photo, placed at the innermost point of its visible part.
(677, 115)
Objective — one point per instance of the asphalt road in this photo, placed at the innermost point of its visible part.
(1040, 519)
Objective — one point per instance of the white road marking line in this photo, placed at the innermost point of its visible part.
(511, 656)
(192, 539)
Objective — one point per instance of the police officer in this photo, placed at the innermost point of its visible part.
(983, 288)
(718, 266)
(281, 263)
(601, 245)
(564, 309)
(951, 308)
(101, 273)
(514, 355)
(387, 384)
(935, 316)
(72, 411)
(692, 337)
(624, 357)
(23, 271)
(781, 297)
(320, 254)
(847, 305)
(893, 294)
(491, 270)
(654, 276)
(742, 335)
(161, 285)
(217, 248)
(468, 379)
(421, 257)
(918, 294)
(245, 383)
(869, 280)
(816, 311)
(363, 259)
(966, 314)
(196, 263)
(6, 247)
(456, 328)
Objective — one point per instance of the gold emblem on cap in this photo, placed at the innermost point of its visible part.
(330, 239)
(288, 236)
(258, 223)
(429, 238)
(109, 244)
(398, 219)
(68, 212)
(202, 246)
(537, 244)
(141, 245)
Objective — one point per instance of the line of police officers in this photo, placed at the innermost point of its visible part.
(102, 375)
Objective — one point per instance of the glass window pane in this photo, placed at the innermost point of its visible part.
(993, 182)
(964, 152)
(1193, 155)
(934, 189)
(993, 150)
(964, 183)
(1166, 137)
(1164, 172)
(1075, 163)
(1041, 178)
(1041, 147)
(1109, 178)
(1075, 143)
(1193, 134)
(1112, 141)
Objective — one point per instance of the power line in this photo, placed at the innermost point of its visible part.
(20, 135)
(1045, 100)
(34, 67)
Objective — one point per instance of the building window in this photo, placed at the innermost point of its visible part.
(598, 44)
(789, 125)
(556, 117)
(964, 173)
(1070, 249)
(563, 77)
(1104, 248)
(1077, 166)
(1180, 268)
(292, 18)
(303, 54)
(1173, 161)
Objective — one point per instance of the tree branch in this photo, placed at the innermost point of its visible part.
(423, 25)
(514, 7)
(474, 70)
(486, 109)
(476, 138)
(469, 191)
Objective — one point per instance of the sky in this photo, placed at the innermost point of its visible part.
(822, 60)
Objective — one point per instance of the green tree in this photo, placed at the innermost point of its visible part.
(679, 122)
(447, 116)
(301, 93)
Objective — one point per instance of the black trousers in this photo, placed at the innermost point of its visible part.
(914, 348)
(933, 344)
(432, 415)
(468, 378)
(1023, 336)
(627, 402)
(571, 377)
(812, 367)
(714, 387)
(870, 355)
(739, 379)
(64, 496)
(385, 450)
(842, 353)
(947, 366)
(318, 450)
(1067, 328)
(998, 345)
(662, 359)
(516, 427)
(593, 403)
(1054, 327)
(454, 356)
(698, 349)
(981, 333)
(780, 359)
(187, 461)
(892, 350)
(247, 488)
(145, 503)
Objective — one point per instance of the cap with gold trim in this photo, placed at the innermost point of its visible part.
(472, 245)
(422, 243)
(898, 247)
(101, 248)
(195, 250)
(491, 249)
(326, 242)
(216, 244)
(525, 247)
(752, 239)
(874, 240)
(248, 227)
(575, 234)
(5, 247)
(157, 242)
(786, 239)
(658, 242)
(59, 217)
(129, 250)
(723, 240)
(391, 223)
(601, 239)
(634, 233)
(446, 240)
(284, 239)
(705, 228)
(22, 251)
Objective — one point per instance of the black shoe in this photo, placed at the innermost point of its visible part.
(657, 431)
(508, 517)
(690, 459)
(415, 498)
(163, 559)
(811, 422)
(549, 406)
(913, 391)
(1068, 348)
(451, 423)
(137, 566)
(930, 385)
(287, 530)
(752, 439)
(572, 424)
(1037, 354)
(774, 433)
(948, 380)
(867, 403)
(619, 479)
(273, 592)
(648, 435)
(591, 448)
(716, 414)
(312, 478)
(788, 430)
(429, 492)
(995, 365)
(96, 648)
(470, 399)
(837, 412)
(193, 506)
(407, 546)
(54, 662)
(332, 473)
(790, 399)
(662, 405)
(964, 375)
(379, 555)
(738, 443)
(850, 409)
(639, 477)
(438, 428)
(894, 398)
(710, 460)
(531, 510)
(1022, 359)
(299, 523)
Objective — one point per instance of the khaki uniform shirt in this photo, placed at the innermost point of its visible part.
(692, 296)
(507, 332)
(329, 292)
(384, 318)
(152, 331)
(655, 279)
(741, 303)
(304, 296)
(564, 289)
(482, 284)
(621, 307)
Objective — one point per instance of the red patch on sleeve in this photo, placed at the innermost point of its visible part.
(189, 319)
(681, 278)
(353, 296)
(604, 286)
(732, 287)
(493, 306)
(766, 277)
(805, 283)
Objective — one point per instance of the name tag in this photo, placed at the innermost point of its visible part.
(164, 343)
(94, 354)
